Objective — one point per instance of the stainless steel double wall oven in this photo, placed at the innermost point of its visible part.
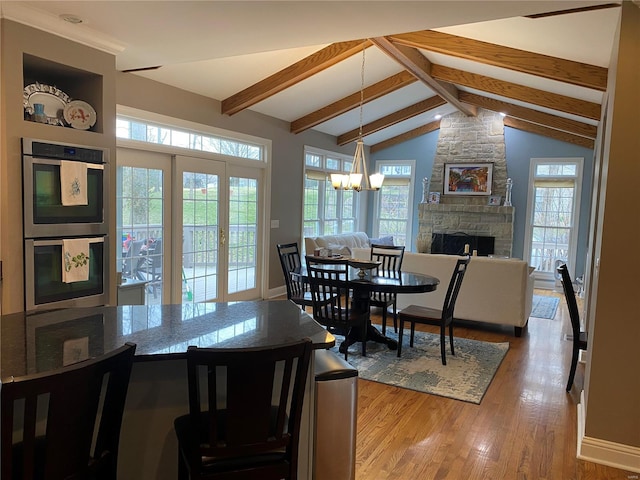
(47, 223)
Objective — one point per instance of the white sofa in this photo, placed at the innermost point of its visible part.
(342, 244)
(494, 290)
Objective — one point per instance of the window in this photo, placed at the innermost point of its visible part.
(553, 211)
(210, 229)
(327, 211)
(143, 131)
(393, 205)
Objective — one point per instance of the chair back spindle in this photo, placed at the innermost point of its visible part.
(331, 293)
(579, 337)
(297, 288)
(62, 412)
(431, 316)
(250, 427)
(390, 258)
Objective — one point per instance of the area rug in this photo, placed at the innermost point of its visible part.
(544, 306)
(466, 376)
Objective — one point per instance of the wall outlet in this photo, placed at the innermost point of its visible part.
(275, 223)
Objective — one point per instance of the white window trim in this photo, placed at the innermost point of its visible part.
(361, 214)
(144, 115)
(542, 280)
(409, 231)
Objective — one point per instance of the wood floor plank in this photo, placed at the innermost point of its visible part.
(524, 428)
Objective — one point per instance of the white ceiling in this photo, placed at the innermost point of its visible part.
(217, 49)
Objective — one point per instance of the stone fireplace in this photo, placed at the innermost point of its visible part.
(465, 139)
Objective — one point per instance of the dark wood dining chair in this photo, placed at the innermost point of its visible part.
(331, 295)
(297, 288)
(431, 316)
(149, 265)
(390, 258)
(579, 337)
(248, 427)
(48, 421)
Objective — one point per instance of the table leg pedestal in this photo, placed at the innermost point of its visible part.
(361, 303)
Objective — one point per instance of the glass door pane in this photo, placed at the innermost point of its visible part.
(202, 229)
(141, 220)
(221, 231)
(243, 234)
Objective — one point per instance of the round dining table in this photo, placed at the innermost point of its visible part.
(386, 282)
(364, 281)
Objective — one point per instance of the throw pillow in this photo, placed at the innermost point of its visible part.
(387, 240)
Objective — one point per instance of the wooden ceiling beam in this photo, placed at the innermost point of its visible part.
(416, 63)
(352, 101)
(403, 137)
(393, 118)
(530, 115)
(548, 132)
(553, 101)
(573, 10)
(289, 76)
(554, 68)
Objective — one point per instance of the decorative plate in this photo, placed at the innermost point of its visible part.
(79, 115)
(53, 99)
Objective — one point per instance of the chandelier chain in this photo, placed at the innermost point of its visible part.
(358, 173)
(364, 48)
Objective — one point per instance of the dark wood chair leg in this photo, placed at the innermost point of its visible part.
(395, 317)
(572, 370)
(451, 338)
(400, 337)
(413, 331)
(443, 350)
(346, 344)
(384, 320)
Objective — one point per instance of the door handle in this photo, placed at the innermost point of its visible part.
(223, 237)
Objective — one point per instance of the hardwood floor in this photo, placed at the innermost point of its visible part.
(525, 427)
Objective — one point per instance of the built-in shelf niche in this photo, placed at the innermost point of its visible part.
(76, 83)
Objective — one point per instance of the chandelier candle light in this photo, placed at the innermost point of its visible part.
(353, 181)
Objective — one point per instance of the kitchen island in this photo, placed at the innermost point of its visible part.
(158, 389)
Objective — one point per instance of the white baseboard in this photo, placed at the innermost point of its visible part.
(617, 455)
(276, 292)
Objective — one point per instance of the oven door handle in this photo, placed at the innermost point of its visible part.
(58, 241)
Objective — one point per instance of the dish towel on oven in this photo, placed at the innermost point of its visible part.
(73, 183)
(75, 260)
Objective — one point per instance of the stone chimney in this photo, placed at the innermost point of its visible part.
(466, 139)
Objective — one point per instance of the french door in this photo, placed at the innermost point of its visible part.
(218, 257)
(143, 220)
(190, 227)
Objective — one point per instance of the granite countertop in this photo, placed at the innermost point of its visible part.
(44, 341)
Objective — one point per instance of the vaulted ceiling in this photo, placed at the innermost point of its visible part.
(543, 64)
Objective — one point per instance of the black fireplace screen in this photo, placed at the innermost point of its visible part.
(454, 243)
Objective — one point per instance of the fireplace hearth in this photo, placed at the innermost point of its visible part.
(481, 221)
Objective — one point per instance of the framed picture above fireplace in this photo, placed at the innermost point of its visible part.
(468, 178)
